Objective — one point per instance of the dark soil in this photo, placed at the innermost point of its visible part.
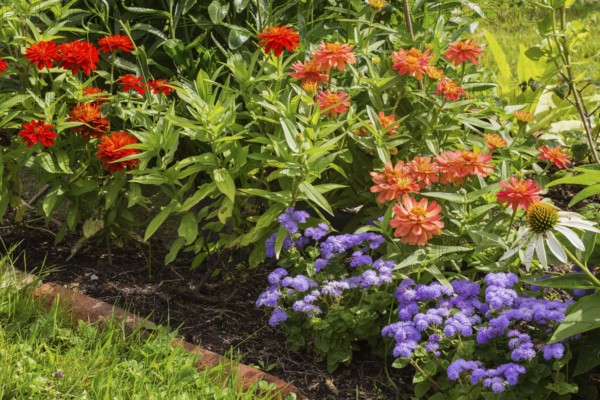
(215, 311)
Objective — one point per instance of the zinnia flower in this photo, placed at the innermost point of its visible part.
(388, 120)
(543, 220)
(459, 52)
(376, 5)
(43, 53)
(415, 222)
(310, 71)
(78, 55)
(130, 82)
(89, 114)
(458, 164)
(450, 89)
(393, 182)
(95, 94)
(114, 43)
(160, 85)
(277, 38)
(38, 131)
(523, 116)
(310, 86)
(111, 149)
(3, 65)
(412, 62)
(518, 193)
(333, 103)
(424, 171)
(334, 55)
(494, 141)
(554, 155)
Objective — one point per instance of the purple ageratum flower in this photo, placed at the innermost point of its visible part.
(511, 372)
(501, 279)
(269, 297)
(556, 351)
(270, 245)
(495, 383)
(277, 317)
(500, 297)
(299, 283)
(369, 279)
(320, 264)
(277, 275)
(406, 312)
(318, 232)
(359, 258)
(432, 292)
(290, 219)
(338, 244)
(306, 306)
(334, 288)
(459, 366)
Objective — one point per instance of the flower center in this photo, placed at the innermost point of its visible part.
(333, 47)
(332, 98)
(418, 211)
(541, 217)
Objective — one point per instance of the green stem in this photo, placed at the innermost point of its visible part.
(592, 277)
(512, 219)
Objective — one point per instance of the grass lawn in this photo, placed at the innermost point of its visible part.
(514, 22)
(44, 357)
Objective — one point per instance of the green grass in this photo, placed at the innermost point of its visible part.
(42, 356)
(513, 22)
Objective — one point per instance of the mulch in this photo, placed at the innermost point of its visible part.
(215, 311)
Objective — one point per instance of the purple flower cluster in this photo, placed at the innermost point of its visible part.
(431, 314)
(305, 293)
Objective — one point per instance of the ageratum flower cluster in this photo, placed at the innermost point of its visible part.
(306, 292)
(432, 315)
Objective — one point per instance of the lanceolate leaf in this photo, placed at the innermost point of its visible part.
(582, 316)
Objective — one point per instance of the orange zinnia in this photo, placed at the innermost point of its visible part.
(333, 103)
(334, 55)
(554, 155)
(450, 89)
(78, 55)
(424, 171)
(518, 193)
(43, 53)
(388, 120)
(523, 116)
(111, 149)
(459, 52)
(277, 38)
(310, 71)
(89, 114)
(392, 182)
(494, 141)
(457, 165)
(95, 94)
(412, 62)
(38, 131)
(114, 43)
(415, 222)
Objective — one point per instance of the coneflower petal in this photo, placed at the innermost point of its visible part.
(556, 247)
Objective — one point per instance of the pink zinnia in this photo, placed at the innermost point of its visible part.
(424, 171)
(393, 182)
(412, 62)
(449, 89)
(333, 103)
(554, 155)
(457, 165)
(310, 71)
(415, 222)
(459, 52)
(518, 193)
(334, 55)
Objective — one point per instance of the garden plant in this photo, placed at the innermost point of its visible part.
(410, 183)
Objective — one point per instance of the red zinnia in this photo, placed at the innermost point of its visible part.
(114, 43)
(334, 55)
(459, 52)
(111, 149)
(2, 65)
(333, 103)
(310, 71)
(518, 193)
(554, 155)
(89, 114)
(450, 89)
(78, 55)
(38, 131)
(415, 222)
(277, 38)
(130, 82)
(43, 53)
(412, 62)
(160, 85)
(95, 94)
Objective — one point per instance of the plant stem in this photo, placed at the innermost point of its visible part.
(584, 268)
(433, 383)
(408, 20)
(512, 219)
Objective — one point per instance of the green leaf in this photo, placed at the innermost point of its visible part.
(63, 161)
(505, 78)
(225, 211)
(188, 228)
(284, 197)
(588, 356)
(174, 250)
(585, 193)
(313, 195)
(568, 281)
(225, 183)
(582, 316)
(290, 132)
(159, 219)
(91, 227)
(46, 162)
(198, 196)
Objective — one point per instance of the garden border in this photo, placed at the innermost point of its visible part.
(85, 308)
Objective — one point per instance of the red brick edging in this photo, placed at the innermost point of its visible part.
(86, 308)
